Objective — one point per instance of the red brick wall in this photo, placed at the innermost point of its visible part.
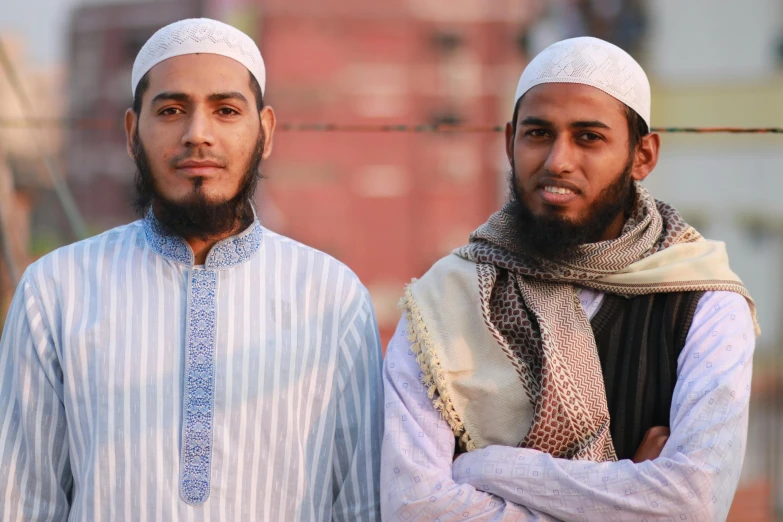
(386, 204)
(752, 503)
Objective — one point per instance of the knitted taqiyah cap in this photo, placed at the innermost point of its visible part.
(594, 62)
(199, 35)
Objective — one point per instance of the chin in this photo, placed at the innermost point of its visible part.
(215, 196)
(563, 216)
(206, 189)
(562, 213)
(178, 198)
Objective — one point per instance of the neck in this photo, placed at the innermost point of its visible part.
(203, 231)
(615, 229)
(202, 247)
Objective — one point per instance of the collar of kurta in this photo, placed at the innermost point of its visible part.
(227, 253)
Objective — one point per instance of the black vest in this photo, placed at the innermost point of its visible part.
(639, 341)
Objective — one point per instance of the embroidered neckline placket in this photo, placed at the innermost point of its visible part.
(200, 346)
(199, 393)
(226, 253)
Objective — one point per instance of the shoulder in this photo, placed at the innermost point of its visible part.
(82, 255)
(450, 266)
(722, 334)
(450, 277)
(304, 256)
(451, 280)
(721, 313)
(48, 281)
(318, 270)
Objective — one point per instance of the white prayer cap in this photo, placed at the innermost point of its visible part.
(194, 36)
(594, 62)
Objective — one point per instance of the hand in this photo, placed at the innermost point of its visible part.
(652, 444)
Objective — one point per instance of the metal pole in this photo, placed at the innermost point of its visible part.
(72, 214)
(7, 237)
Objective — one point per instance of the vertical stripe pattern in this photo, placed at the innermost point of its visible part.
(113, 380)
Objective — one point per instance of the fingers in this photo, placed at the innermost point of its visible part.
(652, 444)
(657, 431)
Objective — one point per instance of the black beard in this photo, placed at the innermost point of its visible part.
(196, 216)
(554, 237)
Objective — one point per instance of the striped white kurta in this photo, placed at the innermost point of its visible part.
(137, 386)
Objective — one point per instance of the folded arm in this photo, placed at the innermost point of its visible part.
(698, 470)
(418, 451)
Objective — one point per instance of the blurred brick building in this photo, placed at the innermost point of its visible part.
(388, 204)
(24, 182)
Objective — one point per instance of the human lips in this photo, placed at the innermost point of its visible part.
(199, 167)
(557, 192)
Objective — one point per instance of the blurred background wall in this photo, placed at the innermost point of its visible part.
(389, 204)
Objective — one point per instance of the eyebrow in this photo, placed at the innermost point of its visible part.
(592, 124)
(530, 120)
(170, 96)
(232, 95)
(185, 98)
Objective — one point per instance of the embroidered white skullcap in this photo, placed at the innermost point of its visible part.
(194, 36)
(594, 62)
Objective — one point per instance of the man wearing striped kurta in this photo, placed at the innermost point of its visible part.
(192, 365)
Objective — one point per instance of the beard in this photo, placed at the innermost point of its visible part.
(197, 215)
(552, 236)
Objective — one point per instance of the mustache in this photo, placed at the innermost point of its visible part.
(197, 154)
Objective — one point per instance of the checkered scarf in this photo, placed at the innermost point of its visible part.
(531, 308)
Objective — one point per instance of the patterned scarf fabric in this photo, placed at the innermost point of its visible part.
(531, 308)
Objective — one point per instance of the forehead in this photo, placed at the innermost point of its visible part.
(198, 75)
(570, 102)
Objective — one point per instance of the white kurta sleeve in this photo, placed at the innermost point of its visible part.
(35, 476)
(359, 423)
